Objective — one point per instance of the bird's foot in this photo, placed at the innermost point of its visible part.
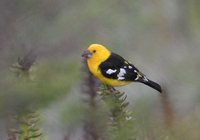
(112, 89)
(106, 89)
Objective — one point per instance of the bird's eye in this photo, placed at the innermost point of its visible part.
(94, 51)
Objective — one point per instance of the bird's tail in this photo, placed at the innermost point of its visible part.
(151, 84)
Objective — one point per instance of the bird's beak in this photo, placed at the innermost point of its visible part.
(86, 54)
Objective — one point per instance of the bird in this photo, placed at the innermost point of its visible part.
(112, 69)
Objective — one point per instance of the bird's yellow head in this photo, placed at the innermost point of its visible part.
(97, 53)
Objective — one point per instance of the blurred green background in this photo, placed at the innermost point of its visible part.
(161, 38)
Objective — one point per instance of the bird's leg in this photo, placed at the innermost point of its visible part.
(106, 89)
(111, 89)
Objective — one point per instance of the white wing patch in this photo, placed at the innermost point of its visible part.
(110, 71)
(135, 71)
(139, 75)
(130, 67)
(121, 73)
(145, 79)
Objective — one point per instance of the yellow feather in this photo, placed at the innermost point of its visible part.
(97, 58)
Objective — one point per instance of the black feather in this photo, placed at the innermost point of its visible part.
(116, 62)
(151, 84)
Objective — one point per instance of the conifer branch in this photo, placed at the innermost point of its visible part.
(26, 123)
(89, 88)
(116, 101)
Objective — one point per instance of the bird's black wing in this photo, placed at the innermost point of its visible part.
(116, 67)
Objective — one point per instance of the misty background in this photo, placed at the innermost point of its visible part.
(161, 38)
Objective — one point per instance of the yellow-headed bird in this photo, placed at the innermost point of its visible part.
(112, 69)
